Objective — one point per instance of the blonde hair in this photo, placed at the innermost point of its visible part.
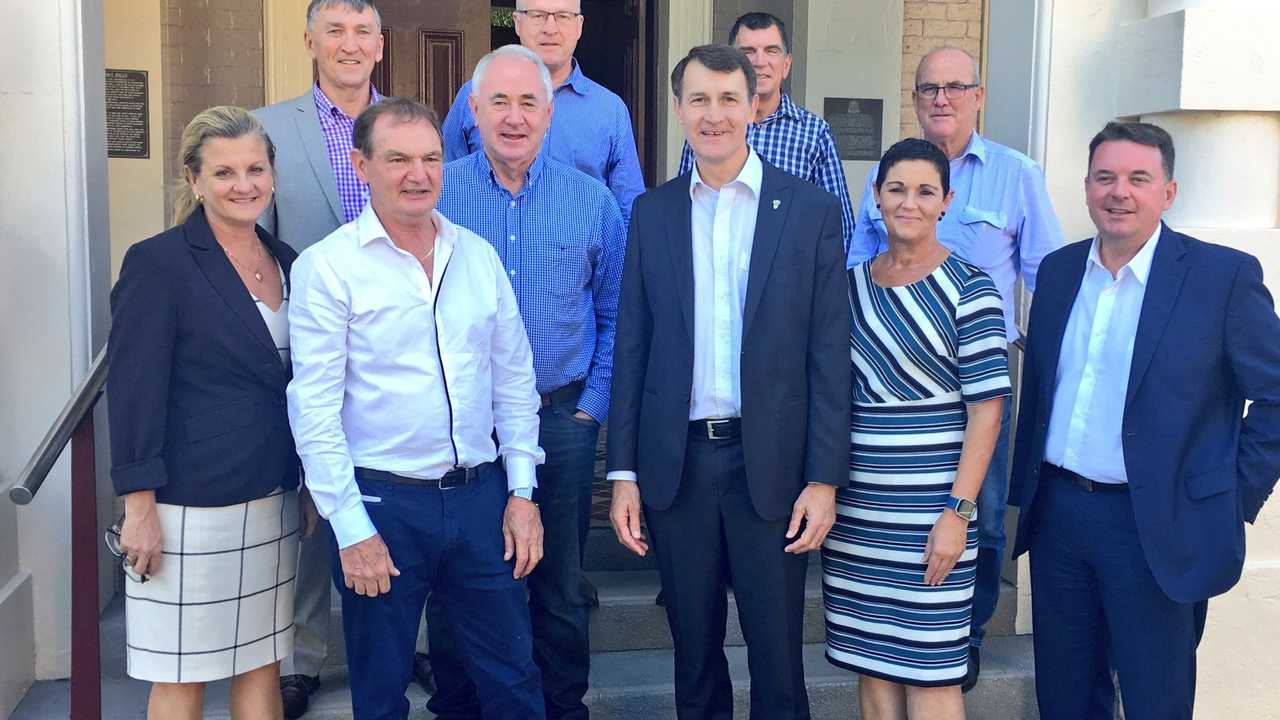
(224, 121)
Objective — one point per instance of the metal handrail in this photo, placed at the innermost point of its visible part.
(80, 405)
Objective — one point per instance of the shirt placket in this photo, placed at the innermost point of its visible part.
(723, 313)
(511, 253)
(1101, 325)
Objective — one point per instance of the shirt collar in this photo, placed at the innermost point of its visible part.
(576, 80)
(751, 175)
(786, 109)
(1139, 265)
(327, 107)
(531, 176)
(976, 147)
(369, 228)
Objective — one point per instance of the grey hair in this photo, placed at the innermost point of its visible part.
(520, 51)
(357, 6)
(977, 71)
(223, 121)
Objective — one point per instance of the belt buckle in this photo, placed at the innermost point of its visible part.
(711, 429)
(447, 484)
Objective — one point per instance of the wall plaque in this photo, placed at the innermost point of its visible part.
(857, 125)
(128, 126)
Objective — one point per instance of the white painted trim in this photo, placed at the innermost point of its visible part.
(1042, 56)
(74, 188)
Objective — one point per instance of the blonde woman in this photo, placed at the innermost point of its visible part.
(201, 448)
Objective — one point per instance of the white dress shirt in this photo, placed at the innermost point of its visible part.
(395, 373)
(1086, 423)
(724, 226)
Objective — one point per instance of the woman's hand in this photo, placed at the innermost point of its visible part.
(946, 543)
(141, 538)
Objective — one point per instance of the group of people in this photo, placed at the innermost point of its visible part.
(377, 350)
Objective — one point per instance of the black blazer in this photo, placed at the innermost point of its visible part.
(1198, 467)
(195, 386)
(795, 369)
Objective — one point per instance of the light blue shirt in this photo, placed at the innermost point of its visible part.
(1000, 219)
(590, 130)
(1085, 425)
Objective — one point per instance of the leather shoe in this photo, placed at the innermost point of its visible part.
(971, 675)
(422, 672)
(295, 694)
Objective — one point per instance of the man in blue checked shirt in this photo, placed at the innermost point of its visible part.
(784, 134)
(561, 239)
(1000, 220)
(592, 126)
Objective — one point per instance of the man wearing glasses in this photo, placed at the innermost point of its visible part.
(591, 129)
(1001, 221)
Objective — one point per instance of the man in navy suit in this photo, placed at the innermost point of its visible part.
(1136, 466)
(731, 393)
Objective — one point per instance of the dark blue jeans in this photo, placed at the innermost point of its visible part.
(557, 602)
(449, 541)
(992, 499)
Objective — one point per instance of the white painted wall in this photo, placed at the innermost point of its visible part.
(53, 218)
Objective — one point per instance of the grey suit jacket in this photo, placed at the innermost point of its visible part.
(306, 207)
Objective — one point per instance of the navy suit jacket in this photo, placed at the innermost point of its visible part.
(1208, 339)
(796, 374)
(195, 386)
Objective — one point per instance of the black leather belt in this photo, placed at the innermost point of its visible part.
(1051, 470)
(564, 393)
(716, 428)
(456, 477)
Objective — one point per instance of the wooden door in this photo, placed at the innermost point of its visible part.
(432, 47)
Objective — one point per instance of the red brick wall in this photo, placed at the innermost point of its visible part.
(928, 24)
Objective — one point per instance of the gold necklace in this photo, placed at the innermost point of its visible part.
(427, 256)
(257, 266)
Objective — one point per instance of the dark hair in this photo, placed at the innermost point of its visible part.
(915, 149)
(718, 58)
(1141, 133)
(400, 108)
(760, 21)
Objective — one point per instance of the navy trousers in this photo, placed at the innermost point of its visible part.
(1098, 608)
(557, 601)
(449, 540)
(992, 499)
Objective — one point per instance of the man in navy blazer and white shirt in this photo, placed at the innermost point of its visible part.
(1136, 466)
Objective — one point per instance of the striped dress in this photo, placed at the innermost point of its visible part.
(920, 352)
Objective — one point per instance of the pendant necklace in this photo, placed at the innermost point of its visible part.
(257, 267)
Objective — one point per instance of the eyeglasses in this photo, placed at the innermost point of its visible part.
(112, 538)
(539, 17)
(954, 90)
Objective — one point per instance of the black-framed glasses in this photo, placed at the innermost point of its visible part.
(112, 538)
(954, 91)
(539, 17)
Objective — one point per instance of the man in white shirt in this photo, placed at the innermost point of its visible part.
(409, 353)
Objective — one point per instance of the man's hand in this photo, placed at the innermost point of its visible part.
(308, 512)
(583, 416)
(624, 513)
(522, 535)
(367, 567)
(816, 507)
(141, 537)
(945, 545)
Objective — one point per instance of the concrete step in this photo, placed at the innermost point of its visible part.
(638, 684)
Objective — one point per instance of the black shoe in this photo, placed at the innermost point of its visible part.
(422, 672)
(295, 693)
(971, 675)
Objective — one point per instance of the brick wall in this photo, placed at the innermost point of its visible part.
(928, 24)
(212, 54)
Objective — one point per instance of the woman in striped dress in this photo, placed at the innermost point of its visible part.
(930, 379)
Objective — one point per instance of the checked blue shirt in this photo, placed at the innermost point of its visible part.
(561, 240)
(798, 143)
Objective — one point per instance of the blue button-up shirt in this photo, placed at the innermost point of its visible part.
(337, 127)
(561, 240)
(1000, 219)
(590, 130)
(798, 143)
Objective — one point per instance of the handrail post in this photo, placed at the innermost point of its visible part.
(86, 669)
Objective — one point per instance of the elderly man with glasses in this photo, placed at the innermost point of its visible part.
(1000, 220)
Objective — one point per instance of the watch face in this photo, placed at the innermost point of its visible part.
(967, 509)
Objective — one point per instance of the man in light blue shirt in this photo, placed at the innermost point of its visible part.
(591, 129)
(1000, 220)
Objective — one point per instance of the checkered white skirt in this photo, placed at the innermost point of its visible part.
(222, 602)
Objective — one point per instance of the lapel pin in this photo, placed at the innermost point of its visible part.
(776, 203)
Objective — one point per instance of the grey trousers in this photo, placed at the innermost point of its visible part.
(311, 605)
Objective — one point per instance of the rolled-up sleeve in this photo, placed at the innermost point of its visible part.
(515, 394)
(318, 317)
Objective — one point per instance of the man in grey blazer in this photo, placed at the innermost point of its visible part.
(317, 191)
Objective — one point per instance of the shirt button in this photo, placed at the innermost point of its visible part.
(511, 238)
(513, 273)
(513, 203)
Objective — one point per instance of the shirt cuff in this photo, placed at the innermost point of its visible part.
(624, 475)
(351, 525)
(520, 471)
(594, 403)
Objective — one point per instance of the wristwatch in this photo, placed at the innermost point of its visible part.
(966, 509)
(524, 493)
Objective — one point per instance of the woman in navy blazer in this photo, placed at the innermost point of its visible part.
(201, 448)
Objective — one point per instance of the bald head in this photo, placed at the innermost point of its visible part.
(954, 54)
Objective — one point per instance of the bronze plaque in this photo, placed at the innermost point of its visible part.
(856, 125)
(128, 126)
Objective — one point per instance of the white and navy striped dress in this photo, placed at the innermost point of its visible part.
(920, 352)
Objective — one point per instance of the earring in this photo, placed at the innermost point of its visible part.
(942, 214)
(877, 206)
(200, 199)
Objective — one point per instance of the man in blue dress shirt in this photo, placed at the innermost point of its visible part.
(561, 239)
(592, 126)
(1001, 221)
